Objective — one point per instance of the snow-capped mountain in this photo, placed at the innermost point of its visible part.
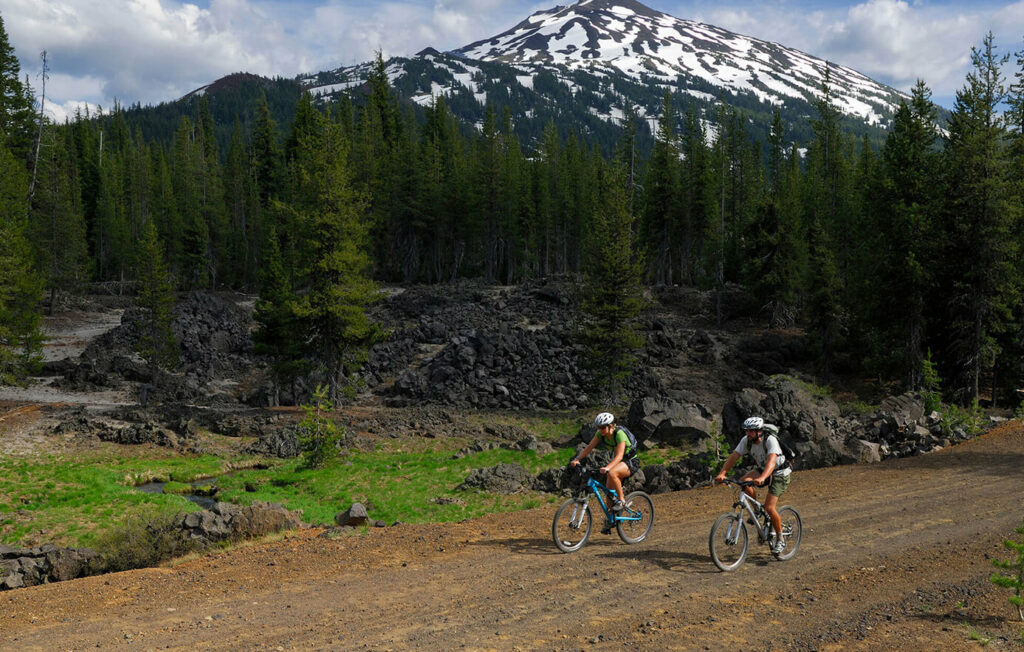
(587, 61)
(631, 38)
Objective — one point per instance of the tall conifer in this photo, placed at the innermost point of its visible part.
(612, 296)
(983, 225)
(21, 335)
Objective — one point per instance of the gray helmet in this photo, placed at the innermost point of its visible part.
(604, 419)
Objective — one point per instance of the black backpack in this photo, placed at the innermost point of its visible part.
(787, 451)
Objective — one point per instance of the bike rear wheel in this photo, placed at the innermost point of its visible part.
(572, 524)
(728, 541)
(638, 504)
(792, 532)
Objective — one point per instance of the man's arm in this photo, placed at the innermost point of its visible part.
(733, 458)
(769, 467)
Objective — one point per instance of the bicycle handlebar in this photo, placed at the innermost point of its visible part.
(741, 483)
(585, 468)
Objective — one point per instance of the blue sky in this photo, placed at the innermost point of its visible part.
(150, 51)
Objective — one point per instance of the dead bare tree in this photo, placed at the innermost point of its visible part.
(39, 135)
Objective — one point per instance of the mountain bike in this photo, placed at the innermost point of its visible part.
(729, 541)
(574, 520)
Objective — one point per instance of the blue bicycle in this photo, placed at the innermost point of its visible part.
(574, 520)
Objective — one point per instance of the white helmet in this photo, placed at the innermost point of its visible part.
(753, 423)
(604, 419)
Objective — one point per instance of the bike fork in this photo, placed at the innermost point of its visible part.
(577, 514)
(732, 534)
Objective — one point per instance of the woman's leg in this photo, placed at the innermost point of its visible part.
(616, 475)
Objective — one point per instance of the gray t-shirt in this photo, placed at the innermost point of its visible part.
(768, 445)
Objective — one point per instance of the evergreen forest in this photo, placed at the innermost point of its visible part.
(895, 260)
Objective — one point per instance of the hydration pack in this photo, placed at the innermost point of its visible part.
(632, 449)
(787, 451)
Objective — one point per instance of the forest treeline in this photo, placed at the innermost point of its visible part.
(894, 260)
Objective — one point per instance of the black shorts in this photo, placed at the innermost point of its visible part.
(633, 463)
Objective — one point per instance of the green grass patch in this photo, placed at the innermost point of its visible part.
(395, 485)
(663, 455)
(66, 501)
(79, 501)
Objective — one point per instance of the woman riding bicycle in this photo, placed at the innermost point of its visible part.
(775, 469)
(618, 439)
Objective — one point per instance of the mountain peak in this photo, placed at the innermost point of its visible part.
(626, 36)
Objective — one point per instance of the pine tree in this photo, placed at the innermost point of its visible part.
(278, 334)
(442, 195)
(113, 247)
(213, 218)
(983, 224)
(486, 182)
(155, 301)
(547, 181)
(17, 116)
(903, 248)
(242, 205)
(824, 310)
(58, 231)
(266, 154)
(771, 264)
(188, 181)
(516, 206)
(696, 201)
(611, 296)
(333, 218)
(21, 335)
(659, 229)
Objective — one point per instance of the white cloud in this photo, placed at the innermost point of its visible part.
(156, 50)
(900, 43)
(893, 41)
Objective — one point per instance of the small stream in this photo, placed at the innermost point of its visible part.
(204, 501)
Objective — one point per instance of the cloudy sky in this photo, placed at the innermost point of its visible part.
(150, 51)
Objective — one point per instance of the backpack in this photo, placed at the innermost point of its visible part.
(788, 451)
(633, 448)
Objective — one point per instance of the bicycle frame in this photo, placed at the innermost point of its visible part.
(729, 539)
(601, 492)
(755, 509)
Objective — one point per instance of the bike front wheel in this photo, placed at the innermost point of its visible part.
(572, 525)
(636, 518)
(728, 541)
(792, 532)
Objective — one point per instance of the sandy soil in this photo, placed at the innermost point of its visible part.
(895, 555)
(67, 335)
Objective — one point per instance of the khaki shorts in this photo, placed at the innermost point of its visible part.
(779, 484)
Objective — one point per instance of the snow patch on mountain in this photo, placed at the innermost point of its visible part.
(643, 43)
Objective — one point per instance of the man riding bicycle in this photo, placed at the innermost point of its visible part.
(775, 469)
(612, 437)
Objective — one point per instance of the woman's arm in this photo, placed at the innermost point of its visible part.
(585, 451)
(620, 450)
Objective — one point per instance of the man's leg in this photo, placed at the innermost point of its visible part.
(750, 491)
(770, 502)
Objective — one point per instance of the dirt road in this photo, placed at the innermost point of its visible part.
(894, 555)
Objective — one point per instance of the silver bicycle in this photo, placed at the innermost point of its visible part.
(729, 540)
